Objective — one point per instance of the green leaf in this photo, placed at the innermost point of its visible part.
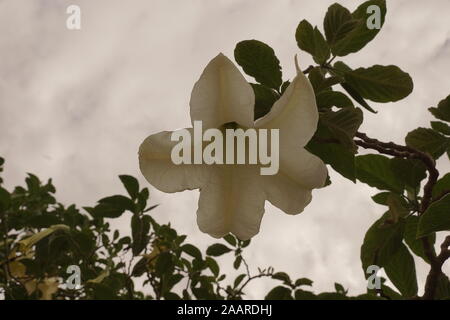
(409, 171)
(140, 267)
(284, 86)
(230, 239)
(358, 98)
(441, 127)
(338, 23)
(376, 171)
(131, 184)
(343, 123)
(303, 282)
(212, 265)
(402, 272)
(360, 34)
(304, 295)
(279, 293)
(164, 264)
(381, 198)
(238, 280)
(339, 157)
(328, 99)
(5, 199)
(442, 111)
(340, 288)
(237, 262)
(140, 227)
(380, 83)
(397, 207)
(118, 201)
(192, 251)
(429, 141)
(435, 218)
(416, 245)
(105, 210)
(265, 97)
(331, 296)
(283, 276)
(259, 61)
(311, 40)
(217, 249)
(381, 242)
(441, 186)
(443, 287)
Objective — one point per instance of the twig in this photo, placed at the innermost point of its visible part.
(396, 150)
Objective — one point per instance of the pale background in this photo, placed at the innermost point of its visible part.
(75, 105)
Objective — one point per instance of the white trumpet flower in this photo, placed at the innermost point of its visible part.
(232, 196)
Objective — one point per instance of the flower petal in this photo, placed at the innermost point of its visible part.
(158, 168)
(299, 173)
(222, 95)
(295, 113)
(232, 201)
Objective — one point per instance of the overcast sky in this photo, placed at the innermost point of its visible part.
(75, 106)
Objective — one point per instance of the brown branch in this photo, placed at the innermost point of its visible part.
(431, 283)
(400, 151)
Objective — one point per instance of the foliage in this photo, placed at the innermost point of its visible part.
(42, 241)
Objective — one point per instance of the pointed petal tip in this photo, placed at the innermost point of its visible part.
(297, 67)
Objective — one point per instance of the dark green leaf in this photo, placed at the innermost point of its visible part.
(409, 171)
(118, 201)
(230, 239)
(259, 61)
(279, 293)
(213, 266)
(416, 245)
(360, 34)
(402, 272)
(338, 23)
(217, 249)
(303, 282)
(237, 262)
(343, 123)
(340, 158)
(304, 295)
(358, 98)
(284, 86)
(283, 276)
(429, 141)
(164, 264)
(265, 97)
(435, 218)
(441, 127)
(443, 287)
(380, 83)
(442, 111)
(328, 99)
(331, 296)
(238, 280)
(340, 288)
(381, 242)
(311, 40)
(131, 184)
(192, 251)
(442, 186)
(5, 199)
(397, 207)
(140, 267)
(376, 171)
(381, 198)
